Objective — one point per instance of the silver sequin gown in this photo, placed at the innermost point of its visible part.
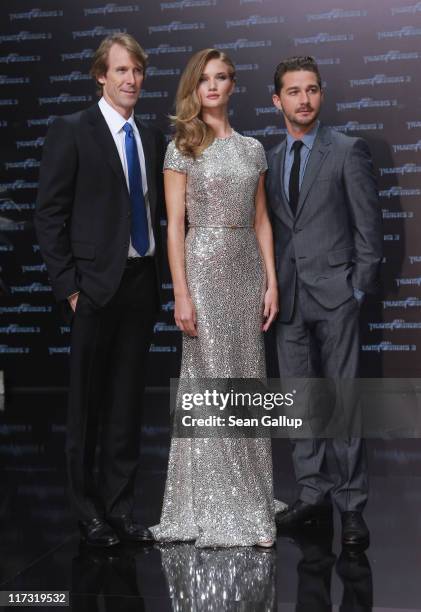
(220, 580)
(219, 491)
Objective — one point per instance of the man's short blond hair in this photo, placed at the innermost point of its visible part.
(100, 62)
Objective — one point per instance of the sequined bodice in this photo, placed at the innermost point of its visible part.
(222, 182)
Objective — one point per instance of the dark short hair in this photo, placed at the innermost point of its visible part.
(292, 64)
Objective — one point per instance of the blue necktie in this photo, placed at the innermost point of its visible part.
(139, 230)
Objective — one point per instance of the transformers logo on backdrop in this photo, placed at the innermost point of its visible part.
(372, 90)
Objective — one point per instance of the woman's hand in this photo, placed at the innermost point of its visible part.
(265, 238)
(271, 307)
(185, 315)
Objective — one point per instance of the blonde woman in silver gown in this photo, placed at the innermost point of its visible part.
(219, 491)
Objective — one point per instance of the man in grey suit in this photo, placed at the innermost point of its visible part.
(328, 241)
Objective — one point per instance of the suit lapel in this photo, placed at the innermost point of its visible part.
(282, 190)
(318, 154)
(104, 139)
(278, 188)
(149, 153)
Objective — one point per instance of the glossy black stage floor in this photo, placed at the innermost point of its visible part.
(39, 546)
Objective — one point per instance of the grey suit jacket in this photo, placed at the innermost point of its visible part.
(334, 243)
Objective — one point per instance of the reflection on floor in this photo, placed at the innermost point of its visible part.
(40, 549)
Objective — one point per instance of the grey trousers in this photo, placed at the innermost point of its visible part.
(319, 342)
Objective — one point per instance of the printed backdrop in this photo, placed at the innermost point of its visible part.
(369, 55)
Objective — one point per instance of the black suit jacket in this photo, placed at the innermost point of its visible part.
(82, 216)
(334, 242)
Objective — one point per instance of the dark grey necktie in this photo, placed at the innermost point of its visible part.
(294, 179)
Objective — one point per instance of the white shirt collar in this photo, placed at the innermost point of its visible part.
(113, 118)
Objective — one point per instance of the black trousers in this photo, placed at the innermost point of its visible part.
(109, 350)
(319, 342)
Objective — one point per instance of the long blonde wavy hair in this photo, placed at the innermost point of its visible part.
(192, 134)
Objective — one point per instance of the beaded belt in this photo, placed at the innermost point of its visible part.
(222, 226)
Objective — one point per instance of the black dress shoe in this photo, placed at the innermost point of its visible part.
(129, 531)
(97, 532)
(301, 513)
(354, 530)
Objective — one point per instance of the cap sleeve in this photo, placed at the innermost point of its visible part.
(174, 160)
(262, 165)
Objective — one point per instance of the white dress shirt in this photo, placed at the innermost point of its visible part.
(115, 122)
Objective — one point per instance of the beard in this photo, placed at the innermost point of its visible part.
(296, 119)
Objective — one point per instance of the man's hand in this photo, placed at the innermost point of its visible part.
(359, 295)
(73, 300)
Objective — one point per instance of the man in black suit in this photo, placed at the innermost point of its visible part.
(97, 220)
(328, 244)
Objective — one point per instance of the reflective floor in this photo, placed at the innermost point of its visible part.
(40, 549)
